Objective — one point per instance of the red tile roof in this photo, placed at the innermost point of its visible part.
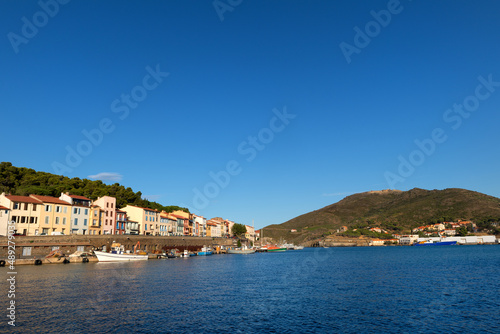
(3, 208)
(23, 199)
(50, 199)
(80, 197)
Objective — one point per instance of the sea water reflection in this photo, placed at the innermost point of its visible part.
(351, 290)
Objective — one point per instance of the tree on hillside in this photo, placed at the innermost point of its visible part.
(239, 230)
(462, 231)
(26, 181)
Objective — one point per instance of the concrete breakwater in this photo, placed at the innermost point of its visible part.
(29, 248)
(338, 242)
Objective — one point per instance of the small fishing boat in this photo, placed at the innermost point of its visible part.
(435, 243)
(242, 250)
(118, 254)
(276, 249)
(205, 251)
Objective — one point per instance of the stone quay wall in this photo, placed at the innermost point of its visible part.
(40, 246)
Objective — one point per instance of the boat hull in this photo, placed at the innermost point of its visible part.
(276, 249)
(112, 257)
(441, 243)
(205, 253)
(241, 251)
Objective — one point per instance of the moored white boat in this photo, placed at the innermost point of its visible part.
(118, 254)
(117, 257)
(241, 251)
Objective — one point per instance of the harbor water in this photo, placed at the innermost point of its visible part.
(336, 290)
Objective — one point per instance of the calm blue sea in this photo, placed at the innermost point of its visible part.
(452, 289)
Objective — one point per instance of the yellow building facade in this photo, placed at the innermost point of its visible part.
(55, 215)
(24, 211)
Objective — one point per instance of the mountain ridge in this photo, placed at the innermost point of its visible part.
(394, 210)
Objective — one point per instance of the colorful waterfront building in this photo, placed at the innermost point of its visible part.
(121, 221)
(228, 224)
(217, 229)
(108, 204)
(55, 216)
(146, 217)
(24, 211)
(201, 225)
(96, 216)
(131, 227)
(80, 213)
(165, 226)
(4, 220)
(178, 224)
(174, 224)
(250, 233)
(187, 219)
(210, 227)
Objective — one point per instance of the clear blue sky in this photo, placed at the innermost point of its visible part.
(355, 113)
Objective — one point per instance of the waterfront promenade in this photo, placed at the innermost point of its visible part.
(29, 247)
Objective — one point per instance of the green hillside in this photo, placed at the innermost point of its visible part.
(393, 210)
(25, 181)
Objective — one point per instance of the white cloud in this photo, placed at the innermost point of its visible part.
(106, 177)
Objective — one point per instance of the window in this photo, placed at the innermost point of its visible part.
(107, 205)
(58, 208)
(25, 206)
(23, 219)
(64, 221)
(111, 213)
(26, 251)
(32, 220)
(55, 248)
(16, 206)
(65, 209)
(45, 230)
(85, 222)
(75, 211)
(86, 212)
(48, 208)
(117, 226)
(57, 220)
(34, 207)
(145, 227)
(76, 221)
(46, 219)
(80, 248)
